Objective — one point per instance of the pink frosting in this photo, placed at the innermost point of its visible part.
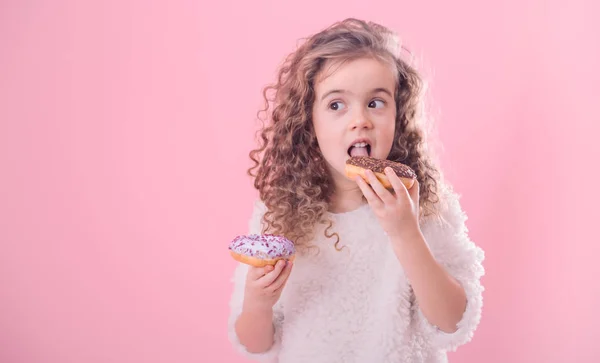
(264, 246)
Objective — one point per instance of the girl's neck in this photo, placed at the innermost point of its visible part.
(346, 198)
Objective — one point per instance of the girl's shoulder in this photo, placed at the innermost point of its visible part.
(258, 206)
(256, 222)
(448, 236)
(450, 213)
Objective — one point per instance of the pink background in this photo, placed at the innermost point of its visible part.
(124, 132)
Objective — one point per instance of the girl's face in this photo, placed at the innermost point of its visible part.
(354, 113)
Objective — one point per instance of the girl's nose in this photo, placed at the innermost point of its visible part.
(360, 121)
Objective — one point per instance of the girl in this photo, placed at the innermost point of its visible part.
(380, 275)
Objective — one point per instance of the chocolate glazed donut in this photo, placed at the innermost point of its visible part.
(358, 165)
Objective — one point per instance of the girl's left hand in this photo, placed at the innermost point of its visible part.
(399, 213)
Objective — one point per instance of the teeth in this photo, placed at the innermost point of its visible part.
(360, 144)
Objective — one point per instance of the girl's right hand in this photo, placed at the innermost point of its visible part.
(265, 284)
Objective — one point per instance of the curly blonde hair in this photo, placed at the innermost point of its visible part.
(291, 177)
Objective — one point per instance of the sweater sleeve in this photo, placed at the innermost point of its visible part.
(237, 300)
(462, 259)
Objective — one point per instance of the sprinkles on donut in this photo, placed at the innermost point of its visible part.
(261, 250)
(358, 165)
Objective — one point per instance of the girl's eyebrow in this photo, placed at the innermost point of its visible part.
(384, 90)
(333, 91)
(376, 90)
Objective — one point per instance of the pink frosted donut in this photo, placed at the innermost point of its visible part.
(261, 250)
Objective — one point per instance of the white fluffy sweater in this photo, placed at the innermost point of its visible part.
(356, 305)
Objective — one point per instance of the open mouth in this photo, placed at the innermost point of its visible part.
(360, 149)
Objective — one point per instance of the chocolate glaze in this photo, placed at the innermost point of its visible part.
(378, 166)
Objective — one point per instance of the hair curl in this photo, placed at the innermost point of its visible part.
(292, 178)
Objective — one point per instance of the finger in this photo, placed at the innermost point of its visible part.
(282, 278)
(268, 269)
(369, 193)
(381, 191)
(414, 192)
(255, 273)
(268, 279)
(399, 187)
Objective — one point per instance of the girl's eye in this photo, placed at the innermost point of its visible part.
(376, 104)
(336, 106)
